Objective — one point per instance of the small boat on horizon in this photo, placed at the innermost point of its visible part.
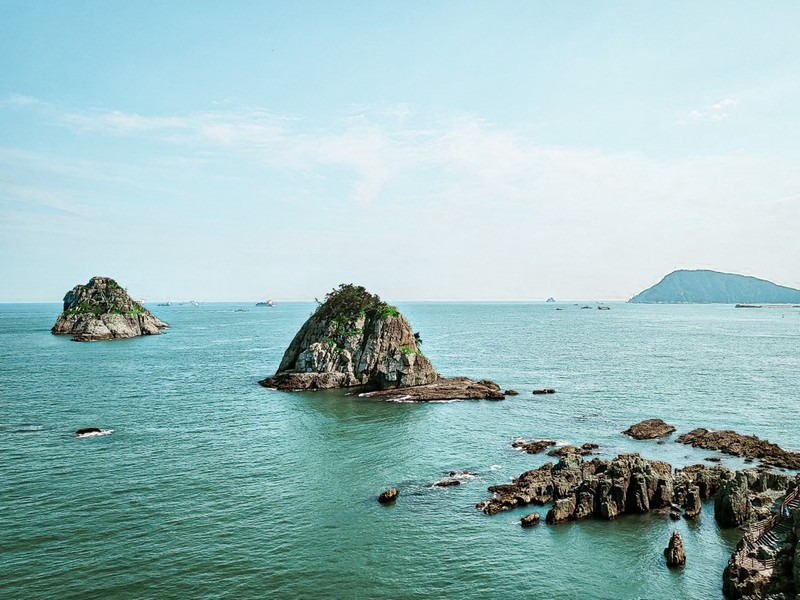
(266, 303)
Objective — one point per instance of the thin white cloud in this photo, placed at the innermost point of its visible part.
(718, 111)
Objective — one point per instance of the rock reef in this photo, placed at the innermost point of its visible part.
(354, 339)
(749, 446)
(102, 310)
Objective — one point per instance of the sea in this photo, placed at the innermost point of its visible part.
(204, 485)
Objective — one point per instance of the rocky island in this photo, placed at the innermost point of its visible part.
(709, 287)
(356, 340)
(103, 310)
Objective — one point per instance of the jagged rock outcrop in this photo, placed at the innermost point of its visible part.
(102, 310)
(736, 444)
(674, 552)
(649, 429)
(354, 339)
(732, 505)
(600, 488)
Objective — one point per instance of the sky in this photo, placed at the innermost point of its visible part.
(436, 150)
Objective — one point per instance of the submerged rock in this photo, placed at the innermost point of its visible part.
(544, 391)
(354, 339)
(102, 310)
(674, 552)
(649, 429)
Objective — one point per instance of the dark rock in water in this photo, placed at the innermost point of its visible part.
(544, 391)
(675, 514)
(674, 552)
(102, 310)
(511, 393)
(354, 339)
(736, 444)
(713, 459)
(532, 446)
(447, 483)
(530, 520)
(649, 429)
(455, 388)
(87, 430)
(388, 496)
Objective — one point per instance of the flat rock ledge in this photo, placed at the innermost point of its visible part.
(454, 388)
(649, 429)
(749, 446)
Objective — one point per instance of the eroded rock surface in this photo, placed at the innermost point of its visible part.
(102, 310)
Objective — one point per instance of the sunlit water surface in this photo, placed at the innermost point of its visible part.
(213, 487)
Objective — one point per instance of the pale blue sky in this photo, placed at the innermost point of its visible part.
(427, 150)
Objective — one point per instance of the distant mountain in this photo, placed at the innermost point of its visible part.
(712, 287)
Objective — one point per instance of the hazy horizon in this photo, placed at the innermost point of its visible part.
(506, 151)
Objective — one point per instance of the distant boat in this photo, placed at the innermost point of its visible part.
(601, 307)
(193, 303)
(165, 304)
(267, 303)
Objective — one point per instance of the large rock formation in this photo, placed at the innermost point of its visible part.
(354, 339)
(703, 286)
(102, 310)
(600, 488)
(736, 444)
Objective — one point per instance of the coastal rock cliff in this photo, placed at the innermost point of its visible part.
(353, 339)
(102, 310)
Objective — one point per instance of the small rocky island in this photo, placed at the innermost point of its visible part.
(354, 339)
(103, 310)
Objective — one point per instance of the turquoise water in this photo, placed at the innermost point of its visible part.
(213, 487)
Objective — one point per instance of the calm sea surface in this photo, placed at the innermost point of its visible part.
(213, 487)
